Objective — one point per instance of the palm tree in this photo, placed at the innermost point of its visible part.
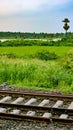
(66, 26)
(66, 20)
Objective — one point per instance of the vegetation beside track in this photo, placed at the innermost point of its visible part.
(22, 67)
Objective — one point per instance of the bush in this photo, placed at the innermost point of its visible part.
(45, 55)
(21, 42)
(70, 54)
(11, 55)
(68, 61)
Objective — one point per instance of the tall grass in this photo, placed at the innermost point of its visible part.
(20, 66)
(37, 74)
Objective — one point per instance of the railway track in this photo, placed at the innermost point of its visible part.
(39, 107)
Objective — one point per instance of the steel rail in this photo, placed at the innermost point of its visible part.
(38, 108)
(34, 118)
(20, 93)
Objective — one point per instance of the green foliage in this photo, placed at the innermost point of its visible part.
(66, 40)
(13, 35)
(46, 55)
(68, 61)
(38, 74)
(11, 55)
(32, 51)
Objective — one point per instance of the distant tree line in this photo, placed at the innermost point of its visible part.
(28, 35)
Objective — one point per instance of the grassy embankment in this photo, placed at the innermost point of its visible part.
(21, 66)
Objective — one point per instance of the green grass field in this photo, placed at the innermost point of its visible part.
(33, 73)
(28, 50)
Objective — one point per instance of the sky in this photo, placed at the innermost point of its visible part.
(35, 15)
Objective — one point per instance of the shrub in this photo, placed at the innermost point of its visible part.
(45, 55)
(68, 61)
(11, 55)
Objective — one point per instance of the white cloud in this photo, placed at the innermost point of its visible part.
(9, 7)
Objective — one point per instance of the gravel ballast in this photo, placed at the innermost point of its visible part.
(26, 125)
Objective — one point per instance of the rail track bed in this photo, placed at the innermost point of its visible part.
(40, 107)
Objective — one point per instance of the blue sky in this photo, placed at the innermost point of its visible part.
(35, 15)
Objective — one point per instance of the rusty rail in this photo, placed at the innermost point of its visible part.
(20, 93)
(34, 118)
(38, 108)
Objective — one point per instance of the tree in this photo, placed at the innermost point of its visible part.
(66, 26)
